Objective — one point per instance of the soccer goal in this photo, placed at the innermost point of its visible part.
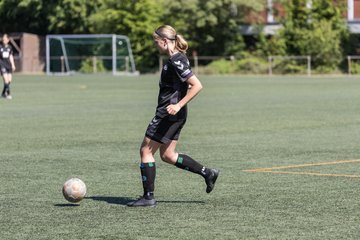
(89, 53)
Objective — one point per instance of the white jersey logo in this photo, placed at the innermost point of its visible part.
(5, 54)
(154, 120)
(179, 65)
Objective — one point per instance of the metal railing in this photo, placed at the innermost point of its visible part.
(307, 58)
(349, 63)
(271, 59)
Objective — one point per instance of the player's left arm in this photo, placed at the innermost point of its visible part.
(12, 62)
(196, 87)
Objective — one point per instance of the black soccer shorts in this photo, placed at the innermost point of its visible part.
(164, 130)
(5, 70)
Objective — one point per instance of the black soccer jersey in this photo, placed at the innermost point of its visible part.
(173, 85)
(5, 52)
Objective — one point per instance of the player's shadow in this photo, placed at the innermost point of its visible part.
(181, 202)
(126, 200)
(111, 200)
(67, 205)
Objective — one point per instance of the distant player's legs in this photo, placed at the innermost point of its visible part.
(168, 154)
(7, 77)
(148, 173)
(5, 85)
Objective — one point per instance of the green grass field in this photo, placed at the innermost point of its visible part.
(91, 127)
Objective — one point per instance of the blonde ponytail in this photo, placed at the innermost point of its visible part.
(167, 31)
(181, 44)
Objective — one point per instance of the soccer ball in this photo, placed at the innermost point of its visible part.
(74, 190)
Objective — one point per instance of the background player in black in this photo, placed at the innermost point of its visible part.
(7, 65)
(164, 129)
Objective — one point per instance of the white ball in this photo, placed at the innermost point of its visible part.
(74, 190)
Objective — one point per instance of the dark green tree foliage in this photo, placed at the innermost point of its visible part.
(317, 30)
(136, 19)
(25, 16)
(46, 17)
(210, 26)
(72, 16)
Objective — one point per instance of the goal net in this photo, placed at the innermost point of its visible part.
(89, 53)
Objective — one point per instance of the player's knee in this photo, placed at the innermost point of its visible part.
(144, 151)
(168, 156)
(163, 157)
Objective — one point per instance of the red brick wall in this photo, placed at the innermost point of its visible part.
(279, 11)
(261, 17)
(256, 18)
(357, 9)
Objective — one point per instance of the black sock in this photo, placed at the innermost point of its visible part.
(148, 173)
(8, 89)
(4, 89)
(187, 163)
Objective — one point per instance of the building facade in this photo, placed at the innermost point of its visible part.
(274, 12)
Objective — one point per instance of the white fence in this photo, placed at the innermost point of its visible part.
(307, 58)
(196, 60)
(351, 70)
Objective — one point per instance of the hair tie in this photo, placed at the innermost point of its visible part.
(160, 35)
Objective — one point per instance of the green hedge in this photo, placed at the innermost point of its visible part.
(355, 68)
(251, 65)
(257, 65)
(87, 66)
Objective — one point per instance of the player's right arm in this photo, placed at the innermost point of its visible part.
(11, 58)
(196, 87)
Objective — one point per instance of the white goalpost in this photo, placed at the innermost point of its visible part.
(89, 53)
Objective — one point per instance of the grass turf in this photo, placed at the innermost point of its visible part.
(91, 127)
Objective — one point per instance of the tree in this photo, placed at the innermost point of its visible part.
(317, 30)
(211, 26)
(136, 19)
(44, 17)
(72, 16)
(25, 16)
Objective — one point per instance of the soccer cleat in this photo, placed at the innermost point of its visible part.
(210, 179)
(142, 202)
(8, 97)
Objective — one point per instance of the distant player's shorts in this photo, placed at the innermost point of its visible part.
(5, 70)
(164, 130)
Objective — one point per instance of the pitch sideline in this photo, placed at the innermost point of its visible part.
(273, 169)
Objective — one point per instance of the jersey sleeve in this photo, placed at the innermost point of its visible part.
(182, 67)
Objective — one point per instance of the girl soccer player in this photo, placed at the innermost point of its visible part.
(178, 85)
(7, 65)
